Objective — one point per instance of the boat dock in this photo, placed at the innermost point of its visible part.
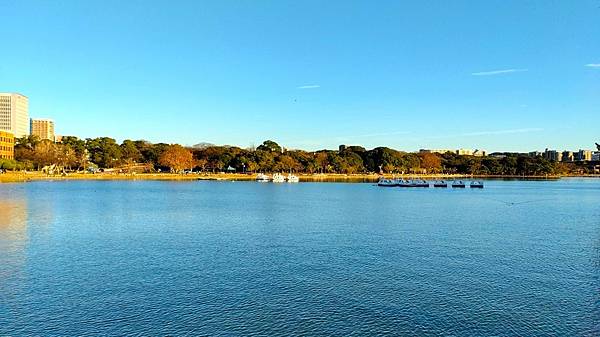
(412, 183)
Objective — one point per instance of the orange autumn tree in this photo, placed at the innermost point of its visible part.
(177, 158)
(430, 162)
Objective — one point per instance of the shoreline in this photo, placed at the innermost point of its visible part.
(20, 177)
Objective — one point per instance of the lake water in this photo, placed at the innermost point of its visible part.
(518, 258)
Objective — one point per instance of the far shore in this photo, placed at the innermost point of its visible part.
(14, 177)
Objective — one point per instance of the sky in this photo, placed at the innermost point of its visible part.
(494, 75)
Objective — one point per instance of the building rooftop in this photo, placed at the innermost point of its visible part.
(12, 93)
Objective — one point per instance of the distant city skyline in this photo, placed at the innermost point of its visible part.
(503, 76)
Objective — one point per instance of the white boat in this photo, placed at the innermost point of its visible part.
(278, 178)
(292, 178)
(421, 183)
(440, 183)
(476, 184)
(263, 178)
(458, 184)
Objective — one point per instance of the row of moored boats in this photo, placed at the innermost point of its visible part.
(277, 178)
(385, 182)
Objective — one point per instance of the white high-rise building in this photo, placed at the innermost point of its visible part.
(14, 114)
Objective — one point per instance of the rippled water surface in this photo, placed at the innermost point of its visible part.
(146, 258)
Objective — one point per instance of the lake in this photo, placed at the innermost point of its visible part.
(517, 258)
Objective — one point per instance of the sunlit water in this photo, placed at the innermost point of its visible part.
(119, 258)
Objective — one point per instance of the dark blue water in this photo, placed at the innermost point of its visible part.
(313, 259)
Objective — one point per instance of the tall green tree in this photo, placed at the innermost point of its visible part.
(104, 151)
(129, 152)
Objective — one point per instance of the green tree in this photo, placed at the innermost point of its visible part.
(201, 163)
(305, 159)
(151, 152)
(270, 146)
(8, 164)
(265, 160)
(66, 157)
(286, 163)
(321, 160)
(45, 153)
(354, 162)
(491, 165)
(129, 152)
(78, 146)
(390, 160)
(243, 161)
(104, 151)
(218, 157)
(29, 141)
(24, 148)
(509, 165)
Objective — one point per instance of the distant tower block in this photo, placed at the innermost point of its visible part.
(43, 128)
(14, 114)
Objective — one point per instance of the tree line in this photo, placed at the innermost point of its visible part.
(74, 154)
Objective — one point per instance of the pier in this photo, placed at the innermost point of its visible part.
(420, 183)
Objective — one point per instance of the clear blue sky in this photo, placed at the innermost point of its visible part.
(496, 75)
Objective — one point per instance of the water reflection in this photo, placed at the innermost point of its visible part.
(13, 226)
(13, 243)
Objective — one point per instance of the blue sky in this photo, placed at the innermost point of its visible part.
(495, 75)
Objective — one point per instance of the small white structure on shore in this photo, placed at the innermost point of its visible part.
(278, 178)
(263, 178)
